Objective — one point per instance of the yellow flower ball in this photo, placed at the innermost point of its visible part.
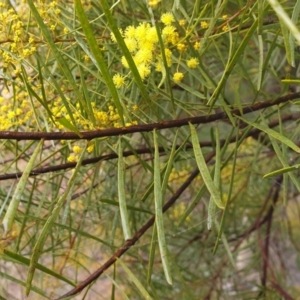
(204, 25)
(192, 63)
(118, 80)
(178, 76)
(167, 18)
(77, 149)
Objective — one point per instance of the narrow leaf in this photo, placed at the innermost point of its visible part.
(288, 39)
(285, 19)
(272, 133)
(282, 171)
(295, 17)
(169, 166)
(14, 203)
(260, 62)
(152, 254)
(120, 289)
(135, 280)
(121, 192)
(23, 260)
(296, 81)
(21, 283)
(221, 226)
(214, 191)
(284, 163)
(159, 213)
(217, 179)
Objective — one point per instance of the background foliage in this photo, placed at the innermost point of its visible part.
(109, 109)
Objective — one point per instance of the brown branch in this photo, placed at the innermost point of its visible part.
(43, 170)
(72, 165)
(268, 219)
(146, 127)
(281, 291)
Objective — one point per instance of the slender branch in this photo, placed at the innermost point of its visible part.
(10, 135)
(281, 291)
(43, 170)
(268, 219)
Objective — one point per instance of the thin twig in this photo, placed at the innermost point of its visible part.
(268, 218)
(281, 291)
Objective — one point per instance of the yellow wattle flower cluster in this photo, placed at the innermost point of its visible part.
(15, 114)
(143, 44)
(178, 76)
(192, 63)
(167, 18)
(103, 119)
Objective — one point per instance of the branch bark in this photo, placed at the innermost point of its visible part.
(10, 135)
